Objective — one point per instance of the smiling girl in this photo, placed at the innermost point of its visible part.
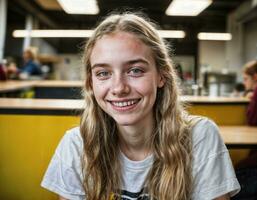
(135, 139)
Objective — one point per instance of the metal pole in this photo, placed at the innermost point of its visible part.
(28, 27)
(3, 12)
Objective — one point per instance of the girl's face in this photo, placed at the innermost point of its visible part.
(124, 78)
(249, 81)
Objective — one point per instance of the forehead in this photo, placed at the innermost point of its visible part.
(120, 45)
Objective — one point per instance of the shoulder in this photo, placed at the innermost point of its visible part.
(206, 139)
(205, 129)
(64, 174)
(70, 147)
(73, 135)
(212, 169)
(32, 63)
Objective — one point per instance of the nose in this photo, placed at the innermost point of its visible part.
(120, 87)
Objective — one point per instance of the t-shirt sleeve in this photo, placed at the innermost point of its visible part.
(64, 174)
(213, 172)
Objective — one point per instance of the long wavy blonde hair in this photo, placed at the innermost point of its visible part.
(170, 176)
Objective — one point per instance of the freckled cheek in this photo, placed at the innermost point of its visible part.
(100, 90)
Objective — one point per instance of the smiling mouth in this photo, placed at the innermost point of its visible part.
(123, 104)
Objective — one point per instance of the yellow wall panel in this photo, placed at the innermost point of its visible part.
(27, 143)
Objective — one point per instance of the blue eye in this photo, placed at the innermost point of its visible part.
(103, 74)
(136, 72)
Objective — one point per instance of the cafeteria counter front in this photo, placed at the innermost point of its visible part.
(32, 128)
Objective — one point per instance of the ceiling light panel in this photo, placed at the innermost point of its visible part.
(214, 36)
(172, 33)
(187, 7)
(81, 33)
(53, 33)
(87, 7)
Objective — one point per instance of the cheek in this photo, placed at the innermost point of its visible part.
(99, 89)
(147, 88)
(249, 82)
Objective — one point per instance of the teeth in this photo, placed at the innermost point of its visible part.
(124, 103)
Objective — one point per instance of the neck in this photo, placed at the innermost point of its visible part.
(135, 141)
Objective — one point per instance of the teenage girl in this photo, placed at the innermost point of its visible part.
(135, 140)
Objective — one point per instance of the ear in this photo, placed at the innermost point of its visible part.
(161, 81)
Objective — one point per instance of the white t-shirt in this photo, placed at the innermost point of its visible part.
(213, 173)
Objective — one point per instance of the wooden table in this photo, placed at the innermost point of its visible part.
(6, 86)
(40, 106)
(9, 86)
(214, 100)
(239, 136)
(43, 89)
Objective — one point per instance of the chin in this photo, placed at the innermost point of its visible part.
(125, 122)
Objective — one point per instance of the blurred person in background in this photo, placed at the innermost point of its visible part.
(250, 83)
(3, 71)
(30, 66)
(239, 90)
(246, 169)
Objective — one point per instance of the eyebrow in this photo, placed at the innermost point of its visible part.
(99, 65)
(130, 62)
(139, 60)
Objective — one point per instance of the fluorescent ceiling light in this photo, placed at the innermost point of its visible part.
(187, 7)
(88, 7)
(81, 33)
(214, 36)
(53, 33)
(172, 34)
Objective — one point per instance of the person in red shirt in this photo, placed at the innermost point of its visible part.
(250, 82)
(246, 169)
(3, 72)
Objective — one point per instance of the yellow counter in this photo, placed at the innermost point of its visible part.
(31, 129)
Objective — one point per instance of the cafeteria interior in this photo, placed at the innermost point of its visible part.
(38, 107)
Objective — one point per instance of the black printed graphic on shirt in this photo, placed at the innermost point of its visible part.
(126, 195)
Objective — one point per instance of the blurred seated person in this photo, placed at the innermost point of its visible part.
(29, 68)
(239, 90)
(3, 72)
(246, 169)
(250, 83)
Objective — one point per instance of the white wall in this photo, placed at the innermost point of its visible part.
(43, 46)
(69, 67)
(212, 54)
(243, 46)
(187, 63)
(234, 48)
(250, 41)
